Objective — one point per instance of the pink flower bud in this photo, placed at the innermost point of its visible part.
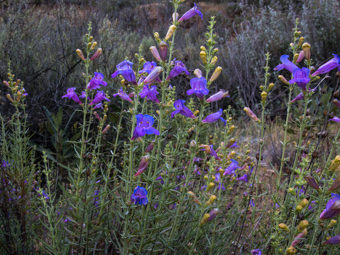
(300, 57)
(251, 114)
(153, 75)
(106, 129)
(218, 96)
(163, 50)
(143, 165)
(155, 53)
(98, 52)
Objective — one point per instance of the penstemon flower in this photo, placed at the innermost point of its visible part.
(140, 196)
(218, 96)
(125, 69)
(71, 94)
(97, 81)
(182, 109)
(178, 68)
(214, 117)
(144, 126)
(100, 96)
(198, 87)
(150, 92)
(123, 95)
(300, 77)
(328, 66)
(286, 64)
(191, 13)
(332, 207)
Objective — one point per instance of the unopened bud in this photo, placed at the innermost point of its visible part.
(210, 186)
(163, 50)
(300, 56)
(283, 79)
(198, 73)
(211, 200)
(6, 83)
(271, 86)
(283, 227)
(264, 95)
(155, 53)
(301, 40)
(170, 32)
(335, 163)
(304, 202)
(291, 250)
(251, 114)
(296, 56)
(202, 48)
(193, 143)
(106, 129)
(216, 74)
(156, 35)
(93, 46)
(306, 50)
(80, 54)
(10, 98)
(98, 52)
(331, 223)
(302, 225)
(298, 208)
(205, 218)
(203, 56)
(175, 16)
(213, 60)
(97, 116)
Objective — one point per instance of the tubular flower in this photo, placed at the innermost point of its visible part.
(155, 53)
(332, 207)
(123, 95)
(335, 119)
(139, 196)
(163, 50)
(214, 117)
(256, 252)
(96, 81)
(333, 240)
(125, 69)
(216, 74)
(100, 96)
(148, 66)
(218, 96)
(144, 126)
(150, 92)
(191, 13)
(251, 114)
(328, 66)
(198, 87)
(71, 94)
(178, 68)
(286, 64)
(300, 77)
(231, 168)
(182, 109)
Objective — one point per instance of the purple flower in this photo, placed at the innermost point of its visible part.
(243, 178)
(96, 198)
(218, 96)
(100, 96)
(148, 66)
(160, 178)
(150, 92)
(125, 69)
(71, 94)
(182, 109)
(191, 13)
(123, 95)
(96, 81)
(144, 126)
(83, 94)
(335, 119)
(234, 145)
(300, 96)
(328, 66)
(332, 207)
(139, 196)
(198, 87)
(300, 77)
(256, 252)
(213, 153)
(286, 64)
(252, 204)
(231, 168)
(214, 117)
(98, 106)
(333, 240)
(178, 68)
(5, 164)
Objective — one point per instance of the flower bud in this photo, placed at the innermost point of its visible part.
(202, 48)
(170, 32)
(210, 186)
(296, 56)
(213, 60)
(211, 200)
(283, 227)
(163, 50)
(306, 50)
(156, 35)
(205, 218)
(231, 129)
(153, 75)
(271, 86)
(175, 16)
(264, 95)
(302, 225)
(300, 56)
(283, 79)
(193, 143)
(150, 147)
(312, 182)
(198, 73)
(251, 114)
(298, 208)
(216, 74)
(291, 250)
(10, 98)
(301, 40)
(80, 54)
(106, 129)
(335, 163)
(93, 46)
(98, 52)
(97, 116)
(331, 223)
(6, 83)
(203, 56)
(155, 53)
(143, 165)
(304, 202)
